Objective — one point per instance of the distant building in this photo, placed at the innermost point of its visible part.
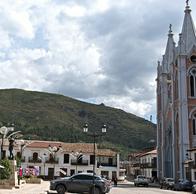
(176, 102)
(134, 164)
(67, 158)
(143, 163)
(148, 164)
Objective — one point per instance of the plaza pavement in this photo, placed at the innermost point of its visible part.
(28, 189)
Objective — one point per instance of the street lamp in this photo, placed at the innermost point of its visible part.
(4, 131)
(94, 135)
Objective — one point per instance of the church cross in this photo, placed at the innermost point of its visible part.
(187, 2)
(170, 28)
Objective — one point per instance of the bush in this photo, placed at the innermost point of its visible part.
(6, 172)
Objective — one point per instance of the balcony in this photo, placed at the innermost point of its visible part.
(148, 165)
(79, 162)
(192, 164)
(106, 164)
(136, 165)
(34, 160)
(52, 160)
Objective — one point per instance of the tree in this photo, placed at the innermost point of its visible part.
(5, 172)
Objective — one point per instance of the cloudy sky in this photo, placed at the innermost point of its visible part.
(93, 50)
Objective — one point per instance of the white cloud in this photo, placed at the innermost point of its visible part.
(4, 39)
(98, 51)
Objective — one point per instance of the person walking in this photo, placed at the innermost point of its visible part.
(19, 175)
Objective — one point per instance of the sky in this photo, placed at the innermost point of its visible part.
(98, 51)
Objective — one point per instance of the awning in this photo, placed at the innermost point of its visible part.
(188, 161)
(62, 171)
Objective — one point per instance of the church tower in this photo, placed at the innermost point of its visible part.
(176, 101)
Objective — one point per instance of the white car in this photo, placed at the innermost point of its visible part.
(141, 180)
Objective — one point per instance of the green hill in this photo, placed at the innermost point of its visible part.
(56, 117)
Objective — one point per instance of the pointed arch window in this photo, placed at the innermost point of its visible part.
(194, 124)
(192, 78)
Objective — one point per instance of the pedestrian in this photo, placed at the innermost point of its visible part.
(11, 146)
(19, 175)
(115, 182)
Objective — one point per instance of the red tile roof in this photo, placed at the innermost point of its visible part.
(68, 147)
(106, 152)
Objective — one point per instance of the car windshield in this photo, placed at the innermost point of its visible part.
(141, 177)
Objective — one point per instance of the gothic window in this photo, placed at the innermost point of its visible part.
(176, 85)
(169, 93)
(193, 59)
(194, 124)
(192, 78)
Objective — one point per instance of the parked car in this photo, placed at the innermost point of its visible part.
(141, 180)
(81, 183)
(167, 183)
(194, 189)
(183, 185)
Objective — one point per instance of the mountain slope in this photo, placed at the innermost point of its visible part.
(56, 117)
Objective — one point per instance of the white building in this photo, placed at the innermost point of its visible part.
(53, 157)
(143, 163)
(148, 164)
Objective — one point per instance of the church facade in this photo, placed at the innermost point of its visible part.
(176, 103)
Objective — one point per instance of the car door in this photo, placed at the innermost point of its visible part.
(78, 183)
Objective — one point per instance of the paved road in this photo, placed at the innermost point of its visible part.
(142, 190)
(121, 189)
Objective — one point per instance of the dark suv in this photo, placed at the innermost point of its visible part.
(81, 183)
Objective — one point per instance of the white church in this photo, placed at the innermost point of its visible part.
(176, 104)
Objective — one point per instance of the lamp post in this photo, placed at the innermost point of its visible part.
(4, 131)
(94, 135)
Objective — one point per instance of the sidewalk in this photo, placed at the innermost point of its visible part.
(28, 189)
(154, 185)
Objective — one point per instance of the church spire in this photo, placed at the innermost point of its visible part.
(169, 52)
(188, 29)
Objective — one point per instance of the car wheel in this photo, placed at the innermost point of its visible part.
(60, 189)
(96, 191)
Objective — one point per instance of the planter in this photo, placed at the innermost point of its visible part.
(34, 180)
(6, 184)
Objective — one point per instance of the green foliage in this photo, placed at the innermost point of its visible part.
(6, 171)
(18, 161)
(55, 117)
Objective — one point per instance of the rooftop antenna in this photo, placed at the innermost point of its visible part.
(150, 118)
